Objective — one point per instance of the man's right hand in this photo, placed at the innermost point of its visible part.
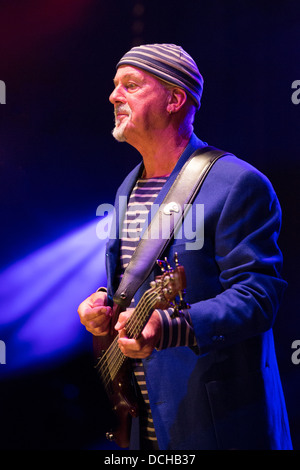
(95, 315)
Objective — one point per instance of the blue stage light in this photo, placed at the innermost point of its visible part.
(39, 297)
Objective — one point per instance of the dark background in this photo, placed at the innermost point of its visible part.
(58, 162)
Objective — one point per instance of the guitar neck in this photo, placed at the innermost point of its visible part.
(141, 314)
(111, 361)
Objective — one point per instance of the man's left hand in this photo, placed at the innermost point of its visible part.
(144, 345)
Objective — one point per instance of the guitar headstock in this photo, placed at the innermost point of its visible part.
(170, 286)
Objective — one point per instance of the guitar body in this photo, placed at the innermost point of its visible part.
(121, 393)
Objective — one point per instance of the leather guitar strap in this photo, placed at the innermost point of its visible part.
(181, 194)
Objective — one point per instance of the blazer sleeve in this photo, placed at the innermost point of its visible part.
(249, 261)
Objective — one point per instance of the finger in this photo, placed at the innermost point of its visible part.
(101, 331)
(122, 333)
(128, 346)
(123, 318)
(120, 325)
(98, 321)
(133, 348)
(99, 326)
(97, 300)
(94, 312)
(94, 300)
(131, 344)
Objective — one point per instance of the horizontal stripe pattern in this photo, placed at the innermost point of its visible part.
(170, 63)
(141, 199)
(175, 332)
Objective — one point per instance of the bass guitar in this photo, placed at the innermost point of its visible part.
(115, 371)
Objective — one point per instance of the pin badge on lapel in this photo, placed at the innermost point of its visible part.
(171, 207)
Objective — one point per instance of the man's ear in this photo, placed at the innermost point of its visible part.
(177, 100)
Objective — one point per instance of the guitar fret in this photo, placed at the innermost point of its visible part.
(137, 320)
(111, 361)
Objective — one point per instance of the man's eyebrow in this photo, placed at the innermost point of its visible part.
(127, 76)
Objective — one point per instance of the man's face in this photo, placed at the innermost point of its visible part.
(140, 102)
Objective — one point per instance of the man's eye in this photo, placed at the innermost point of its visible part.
(131, 86)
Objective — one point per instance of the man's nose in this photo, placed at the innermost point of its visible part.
(117, 96)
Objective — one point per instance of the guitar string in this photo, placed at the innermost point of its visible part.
(111, 363)
(133, 325)
(113, 358)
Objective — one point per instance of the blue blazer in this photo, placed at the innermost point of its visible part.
(226, 392)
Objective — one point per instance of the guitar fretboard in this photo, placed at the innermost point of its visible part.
(112, 359)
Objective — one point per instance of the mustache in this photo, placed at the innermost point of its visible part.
(122, 108)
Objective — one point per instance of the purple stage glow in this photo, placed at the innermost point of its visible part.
(39, 297)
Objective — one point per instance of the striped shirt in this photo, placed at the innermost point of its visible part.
(175, 332)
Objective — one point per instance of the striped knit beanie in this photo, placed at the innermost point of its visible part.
(169, 63)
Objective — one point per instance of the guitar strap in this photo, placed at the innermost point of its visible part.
(169, 214)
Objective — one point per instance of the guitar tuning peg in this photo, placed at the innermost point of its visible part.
(167, 264)
(161, 264)
(176, 259)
